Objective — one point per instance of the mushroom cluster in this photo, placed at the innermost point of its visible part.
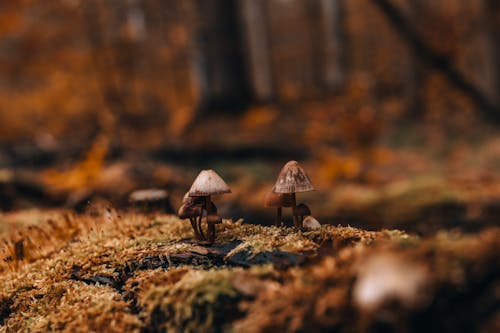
(291, 180)
(197, 202)
(197, 205)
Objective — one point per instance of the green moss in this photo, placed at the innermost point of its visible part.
(201, 301)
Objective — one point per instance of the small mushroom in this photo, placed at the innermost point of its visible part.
(149, 200)
(192, 206)
(292, 179)
(214, 218)
(278, 200)
(310, 222)
(303, 210)
(207, 183)
(191, 212)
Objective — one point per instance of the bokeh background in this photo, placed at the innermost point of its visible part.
(392, 106)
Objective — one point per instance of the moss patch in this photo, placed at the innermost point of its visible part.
(138, 273)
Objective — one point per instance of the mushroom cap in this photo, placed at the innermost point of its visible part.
(303, 210)
(190, 201)
(152, 194)
(208, 183)
(274, 199)
(214, 218)
(187, 211)
(293, 178)
(311, 223)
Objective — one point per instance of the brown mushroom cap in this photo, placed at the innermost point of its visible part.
(208, 183)
(214, 218)
(190, 201)
(188, 211)
(303, 210)
(274, 199)
(293, 178)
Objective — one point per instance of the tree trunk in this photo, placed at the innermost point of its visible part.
(415, 71)
(491, 71)
(257, 47)
(334, 63)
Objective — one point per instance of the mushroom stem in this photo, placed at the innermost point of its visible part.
(279, 218)
(202, 234)
(195, 228)
(210, 226)
(211, 232)
(294, 211)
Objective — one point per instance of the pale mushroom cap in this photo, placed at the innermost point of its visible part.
(152, 194)
(274, 199)
(293, 178)
(311, 223)
(208, 183)
(186, 198)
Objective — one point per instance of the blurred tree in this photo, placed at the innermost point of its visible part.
(437, 61)
(145, 57)
(415, 70)
(333, 61)
(223, 73)
(491, 78)
(257, 48)
(290, 62)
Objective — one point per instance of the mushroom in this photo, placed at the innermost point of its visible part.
(305, 217)
(191, 208)
(302, 211)
(292, 179)
(207, 183)
(310, 222)
(278, 200)
(150, 200)
(212, 220)
(191, 200)
(191, 211)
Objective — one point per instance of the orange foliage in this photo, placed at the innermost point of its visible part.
(83, 174)
(259, 117)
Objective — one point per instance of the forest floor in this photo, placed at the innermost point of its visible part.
(409, 237)
(128, 272)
